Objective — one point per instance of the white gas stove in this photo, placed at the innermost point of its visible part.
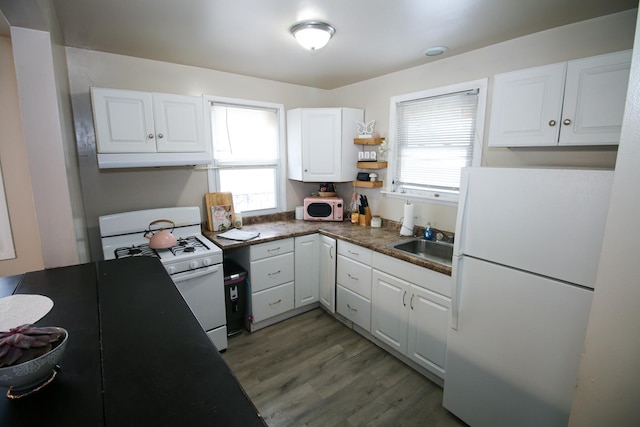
(194, 262)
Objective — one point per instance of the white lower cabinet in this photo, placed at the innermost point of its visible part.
(271, 277)
(328, 273)
(428, 327)
(390, 314)
(307, 267)
(410, 310)
(353, 280)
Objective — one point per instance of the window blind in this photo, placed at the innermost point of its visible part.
(434, 140)
(244, 134)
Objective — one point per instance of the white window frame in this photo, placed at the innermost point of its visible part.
(212, 171)
(450, 199)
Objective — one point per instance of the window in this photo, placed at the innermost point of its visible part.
(434, 134)
(247, 142)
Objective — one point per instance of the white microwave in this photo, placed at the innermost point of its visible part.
(323, 209)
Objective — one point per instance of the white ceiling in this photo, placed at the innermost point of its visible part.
(251, 37)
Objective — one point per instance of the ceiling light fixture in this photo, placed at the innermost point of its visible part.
(435, 51)
(312, 35)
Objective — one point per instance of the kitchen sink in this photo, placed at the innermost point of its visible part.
(427, 249)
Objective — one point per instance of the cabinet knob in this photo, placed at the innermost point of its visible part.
(567, 122)
(552, 122)
(160, 135)
(150, 136)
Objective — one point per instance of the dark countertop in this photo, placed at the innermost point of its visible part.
(368, 237)
(136, 355)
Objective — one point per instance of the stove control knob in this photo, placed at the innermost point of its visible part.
(171, 269)
(193, 264)
(206, 262)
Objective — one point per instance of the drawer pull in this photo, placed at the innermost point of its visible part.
(353, 253)
(351, 308)
(274, 273)
(276, 302)
(352, 277)
(274, 249)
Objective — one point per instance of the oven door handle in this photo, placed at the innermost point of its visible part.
(197, 273)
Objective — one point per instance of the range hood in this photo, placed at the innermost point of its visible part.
(143, 160)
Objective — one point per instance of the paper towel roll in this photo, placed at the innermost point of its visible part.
(407, 221)
(299, 212)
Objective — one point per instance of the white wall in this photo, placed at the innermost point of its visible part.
(15, 170)
(40, 113)
(608, 389)
(601, 35)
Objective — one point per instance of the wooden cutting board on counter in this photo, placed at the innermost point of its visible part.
(217, 199)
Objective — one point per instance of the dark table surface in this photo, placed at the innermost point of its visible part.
(136, 355)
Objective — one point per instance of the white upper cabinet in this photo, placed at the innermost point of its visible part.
(179, 121)
(136, 128)
(123, 121)
(320, 144)
(578, 102)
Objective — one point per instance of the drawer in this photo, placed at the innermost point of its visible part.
(354, 276)
(271, 302)
(354, 252)
(270, 272)
(354, 307)
(266, 250)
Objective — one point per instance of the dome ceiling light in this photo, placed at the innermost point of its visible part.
(312, 35)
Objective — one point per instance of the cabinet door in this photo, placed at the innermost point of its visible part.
(526, 107)
(389, 310)
(428, 326)
(179, 122)
(123, 121)
(307, 279)
(328, 273)
(595, 96)
(321, 144)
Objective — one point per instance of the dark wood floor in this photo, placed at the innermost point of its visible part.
(312, 370)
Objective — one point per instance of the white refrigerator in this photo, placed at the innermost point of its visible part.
(526, 255)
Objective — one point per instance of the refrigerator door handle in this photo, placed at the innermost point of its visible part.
(458, 244)
(456, 283)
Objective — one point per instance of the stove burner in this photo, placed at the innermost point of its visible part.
(188, 244)
(140, 250)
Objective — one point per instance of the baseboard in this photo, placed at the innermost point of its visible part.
(252, 327)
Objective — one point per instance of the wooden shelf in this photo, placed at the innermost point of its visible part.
(367, 184)
(368, 141)
(372, 165)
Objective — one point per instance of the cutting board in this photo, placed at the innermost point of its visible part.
(215, 199)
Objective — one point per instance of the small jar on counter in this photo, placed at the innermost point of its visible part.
(376, 221)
